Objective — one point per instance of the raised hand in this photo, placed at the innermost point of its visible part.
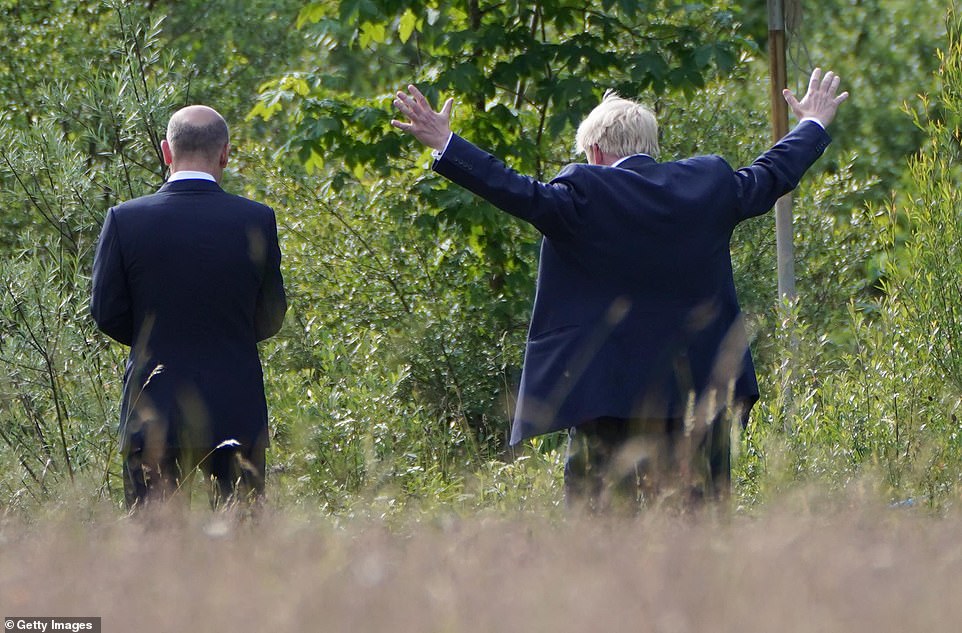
(820, 102)
(430, 127)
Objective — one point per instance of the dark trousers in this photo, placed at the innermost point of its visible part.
(156, 469)
(627, 464)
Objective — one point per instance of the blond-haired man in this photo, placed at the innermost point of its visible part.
(636, 343)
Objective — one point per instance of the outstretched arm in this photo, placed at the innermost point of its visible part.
(430, 127)
(548, 207)
(821, 101)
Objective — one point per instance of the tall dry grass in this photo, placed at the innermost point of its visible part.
(801, 567)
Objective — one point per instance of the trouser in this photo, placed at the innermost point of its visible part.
(626, 464)
(155, 469)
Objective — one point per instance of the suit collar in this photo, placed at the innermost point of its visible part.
(634, 162)
(191, 184)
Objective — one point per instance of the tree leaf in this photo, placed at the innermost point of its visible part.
(406, 25)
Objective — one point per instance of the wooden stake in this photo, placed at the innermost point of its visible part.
(783, 207)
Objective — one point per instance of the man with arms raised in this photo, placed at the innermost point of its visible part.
(190, 278)
(636, 343)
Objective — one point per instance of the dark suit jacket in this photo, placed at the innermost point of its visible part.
(635, 312)
(190, 278)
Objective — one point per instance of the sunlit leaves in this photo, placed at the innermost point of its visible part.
(312, 12)
(406, 25)
(275, 92)
(372, 33)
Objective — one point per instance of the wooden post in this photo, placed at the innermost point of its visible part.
(783, 207)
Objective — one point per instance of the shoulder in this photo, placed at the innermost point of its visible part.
(580, 172)
(148, 208)
(582, 181)
(583, 172)
(708, 167)
(133, 204)
(251, 212)
(707, 161)
(223, 199)
(253, 205)
(128, 213)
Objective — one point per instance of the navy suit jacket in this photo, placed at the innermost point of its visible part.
(635, 313)
(190, 278)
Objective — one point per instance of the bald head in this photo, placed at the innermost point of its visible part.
(197, 139)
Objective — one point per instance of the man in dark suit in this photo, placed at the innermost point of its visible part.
(190, 278)
(636, 342)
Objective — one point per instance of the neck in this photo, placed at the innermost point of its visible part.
(216, 171)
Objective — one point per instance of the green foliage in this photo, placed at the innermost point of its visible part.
(872, 414)
(533, 70)
(927, 272)
(885, 69)
(229, 47)
(878, 414)
(58, 412)
(367, 269)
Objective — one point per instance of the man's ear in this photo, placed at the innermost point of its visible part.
(590, 154)
(224, 153)
(166, 151)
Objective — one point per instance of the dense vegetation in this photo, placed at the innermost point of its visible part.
(391, 383)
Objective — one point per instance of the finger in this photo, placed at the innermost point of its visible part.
(408, 107)
(828, 80)
(836, 80)
(446, 109)
(842, 97)
(418, 97)
(401, 125)
(409, 100)
(403, 108)
(814, 80)
(399, 101)
(790, 99)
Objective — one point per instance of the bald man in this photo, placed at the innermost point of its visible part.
(189, 277)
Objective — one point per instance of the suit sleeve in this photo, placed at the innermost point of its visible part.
(110, 303)
(271, 299)
(779, 170)
(549, 207)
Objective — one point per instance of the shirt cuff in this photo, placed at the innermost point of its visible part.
(437, 154)
(814, 120)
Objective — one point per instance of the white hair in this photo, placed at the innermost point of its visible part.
(619, 127)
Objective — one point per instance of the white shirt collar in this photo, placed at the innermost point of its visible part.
(190, 175)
